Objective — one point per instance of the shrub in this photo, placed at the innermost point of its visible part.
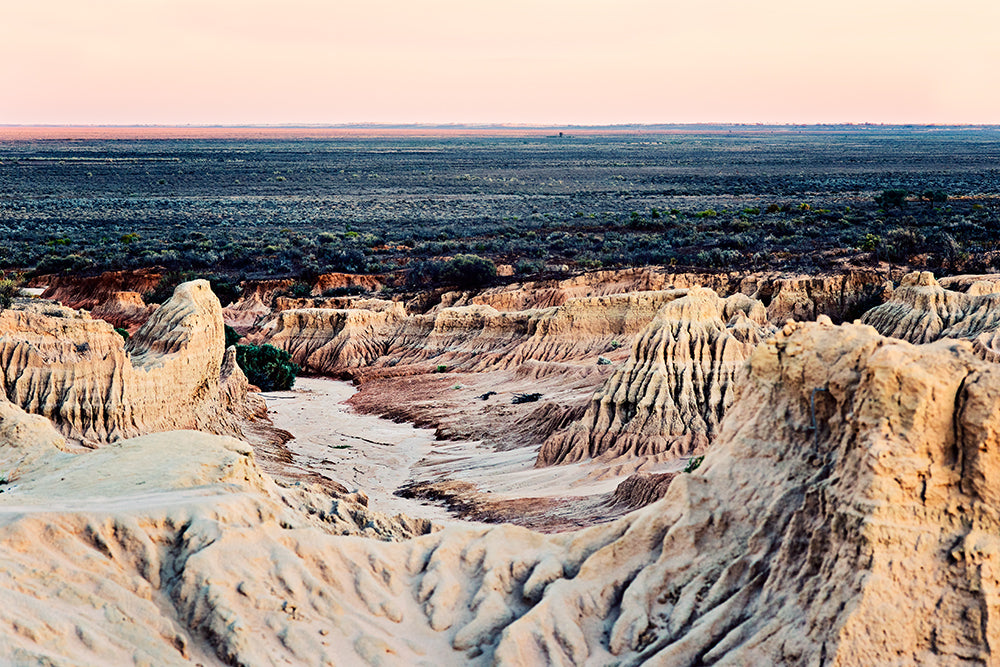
(424, 272)
(469, 271)
(527, 267)
(231, 336)
(935, 196)
(9, 288)
(694, 463)
(122, 332)
(300, 290)
(892, 198)
(266, 366)
(870, 243)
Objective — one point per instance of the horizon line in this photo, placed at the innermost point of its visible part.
(458, 125)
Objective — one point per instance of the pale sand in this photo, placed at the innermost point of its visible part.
(362, 452)
(377, 456)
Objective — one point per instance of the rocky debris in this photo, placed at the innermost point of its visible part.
(78, 372)
(922, 309)
(124, 310)
(668, 399)
(845, 515)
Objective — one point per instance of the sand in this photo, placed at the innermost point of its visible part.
(362, 452)
(376, 457)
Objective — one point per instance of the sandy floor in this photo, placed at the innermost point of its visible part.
(377, 456)
(362, 452)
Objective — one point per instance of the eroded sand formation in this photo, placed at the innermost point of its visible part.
(87, 292)
(668, 399)
(921, 310)
(838, 296)
(125, 310)
(174, 372)
(845, 515)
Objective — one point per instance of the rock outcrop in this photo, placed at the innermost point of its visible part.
(668, 399)
(845, 515)
(260, 298)
(919, 310)
(253, 308)
(839, 296)
(78, 372)
(331, 340)
(922, 310)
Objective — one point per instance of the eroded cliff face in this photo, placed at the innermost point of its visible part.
(376, 338)
(87, 292)
(330, 340)
(668, 399)
(921, 310)
(124, 310)
(839, 296)
(845, 515)
(78, 372)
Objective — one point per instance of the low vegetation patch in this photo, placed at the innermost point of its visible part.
(267, 367)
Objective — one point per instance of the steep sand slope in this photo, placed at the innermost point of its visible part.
(173, 373)
(846, 515)
(667, 400)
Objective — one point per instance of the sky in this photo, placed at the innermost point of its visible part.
(553, 62)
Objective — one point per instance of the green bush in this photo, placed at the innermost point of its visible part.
(231, 336)
(266, 366)
(9, 288)
(469, 271)
(892, 198)
(694, 463)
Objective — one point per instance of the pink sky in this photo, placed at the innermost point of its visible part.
(517, 61)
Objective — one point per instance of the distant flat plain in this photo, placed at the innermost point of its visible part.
(295, 201)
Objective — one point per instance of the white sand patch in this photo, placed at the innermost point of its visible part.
(362, 452)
